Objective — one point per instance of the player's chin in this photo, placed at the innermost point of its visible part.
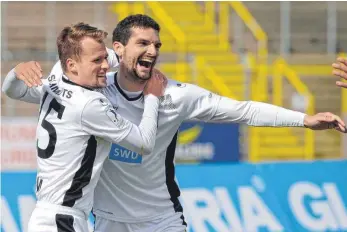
(144, 75)
(102, 82)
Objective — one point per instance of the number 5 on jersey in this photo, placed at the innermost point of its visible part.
(49, 150)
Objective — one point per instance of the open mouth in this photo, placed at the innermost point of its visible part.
(145, 63)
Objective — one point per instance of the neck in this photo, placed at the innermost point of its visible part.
(77, 80)
(129, 83)
(73, 77)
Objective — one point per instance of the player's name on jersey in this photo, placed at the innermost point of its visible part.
(58, 90)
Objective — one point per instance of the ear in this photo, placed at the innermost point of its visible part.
(71, 65)
(118, 48)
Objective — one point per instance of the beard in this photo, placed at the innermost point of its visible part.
(134, 77)
(144, 78)
(133, 74)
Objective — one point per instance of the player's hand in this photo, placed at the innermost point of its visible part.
(324, 121)
(340, 70)
(29, 72)
(156, 84)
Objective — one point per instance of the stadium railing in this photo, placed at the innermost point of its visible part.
(260, 84)
(262, 51)
(209, 74)
(282, 69)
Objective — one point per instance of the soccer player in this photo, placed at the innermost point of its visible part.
(340, 70)
(76, 128)
(139, 193)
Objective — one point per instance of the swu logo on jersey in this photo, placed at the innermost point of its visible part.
(122, 154)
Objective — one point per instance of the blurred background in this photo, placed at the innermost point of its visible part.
(275, 52)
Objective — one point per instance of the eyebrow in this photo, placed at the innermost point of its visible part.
(100, 56)
(146, 40)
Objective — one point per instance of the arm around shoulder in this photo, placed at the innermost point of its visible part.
(99, 118)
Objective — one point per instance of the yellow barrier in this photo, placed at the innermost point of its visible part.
(166, 21)
(344, 100)
(262, 53)
(121, 9)
(209, 14)
(322, 70)
(217, 81)
(259, 64)
(281, 69)
(312, 70)
(124, 9)
(223, 25)
(343, 93)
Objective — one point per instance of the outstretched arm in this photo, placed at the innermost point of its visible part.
(205, 106)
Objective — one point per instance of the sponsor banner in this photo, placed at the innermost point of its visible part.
(229, 197)
(206, 142)
(268, 197)
(18, 146)
(18, 201)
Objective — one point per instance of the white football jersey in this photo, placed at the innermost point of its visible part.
(144, 187)
(135, 188)
(75, 130)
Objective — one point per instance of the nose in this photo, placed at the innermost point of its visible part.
(105, 65)
(152, 50)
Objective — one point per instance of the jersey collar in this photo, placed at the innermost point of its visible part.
(122, 92)
(67, 81)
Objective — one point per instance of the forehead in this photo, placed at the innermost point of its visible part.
(144, 33)
(91, 47)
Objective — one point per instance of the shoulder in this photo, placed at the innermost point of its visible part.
(94, 96)
(94, 104)
(110, 78)
(183, 91)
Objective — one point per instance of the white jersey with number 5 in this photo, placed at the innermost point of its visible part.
(75, 130)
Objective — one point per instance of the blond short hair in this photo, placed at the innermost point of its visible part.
(68, 41)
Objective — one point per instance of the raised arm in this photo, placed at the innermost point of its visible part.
(21, 84)
(24, 82)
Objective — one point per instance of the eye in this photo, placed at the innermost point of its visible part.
(143, 42)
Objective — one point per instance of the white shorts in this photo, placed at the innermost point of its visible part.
(55, 218)
(169, 223)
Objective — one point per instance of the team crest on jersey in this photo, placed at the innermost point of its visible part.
(103, 102)
(166, 102)
(118, 120)
(181, 85)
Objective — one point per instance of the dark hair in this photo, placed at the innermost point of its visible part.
(68, 41)
(122, 32)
